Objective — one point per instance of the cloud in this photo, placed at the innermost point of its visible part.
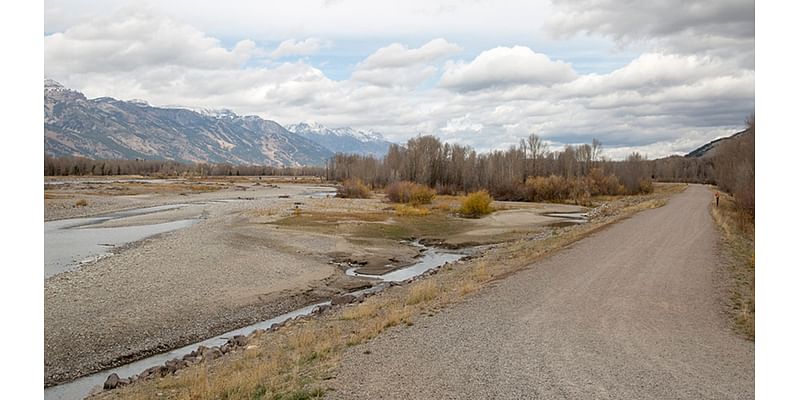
(397, 65)
(659, 102)
(135, 38)
(502, 67)
(713, 27)
(397, 55)
(292, 47)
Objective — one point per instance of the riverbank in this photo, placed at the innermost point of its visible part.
(300, 357)
(257, 250)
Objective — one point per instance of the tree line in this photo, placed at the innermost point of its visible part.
(510, 174)
(63, 166)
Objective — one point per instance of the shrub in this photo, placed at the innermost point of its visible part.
(81, 203)
(410, 192)
(550, 188)
(645, 186)
(353, 189)
(476, 204)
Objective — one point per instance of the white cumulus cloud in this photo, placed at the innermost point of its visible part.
(504, 66)
(398, 65)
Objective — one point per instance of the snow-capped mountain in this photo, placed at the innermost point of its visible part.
(343, 140)
(109, 128)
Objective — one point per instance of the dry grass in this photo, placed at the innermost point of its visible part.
(296, 361)
(442, 207)
(480, 273)
(467, 286)
(411, 211)
(364, 310)
(738, 232)
(81, 203)
(422, 292)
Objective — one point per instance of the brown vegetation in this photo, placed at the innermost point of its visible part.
(735, 167)
(738, 232)
(409, 192)
(572, 174)
(476, 204)
(64, 166)
(411, 211)
(353, 189)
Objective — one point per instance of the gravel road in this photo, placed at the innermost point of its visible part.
(631, 312)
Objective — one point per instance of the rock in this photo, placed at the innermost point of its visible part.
(172, 365)
(343, 299)
(150, 372)
(323, 307)
(240, 340)
(211, 353)
(111, 382)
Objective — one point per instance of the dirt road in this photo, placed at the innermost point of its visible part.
(632, 312)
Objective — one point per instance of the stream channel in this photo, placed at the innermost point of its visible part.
(79, 388)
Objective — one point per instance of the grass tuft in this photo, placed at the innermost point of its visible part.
(422, 292)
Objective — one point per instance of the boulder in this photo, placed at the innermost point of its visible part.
(343, 299)
(111, 382)
(240, 340)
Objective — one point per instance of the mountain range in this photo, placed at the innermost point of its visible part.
(107, 128)
(343, 140)
(709, 149)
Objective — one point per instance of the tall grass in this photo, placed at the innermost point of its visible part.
(738, 232)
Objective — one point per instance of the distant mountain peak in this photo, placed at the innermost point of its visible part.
(344, 139)
(709, 149)
(56, 89)
(52, 84)
(218, 113)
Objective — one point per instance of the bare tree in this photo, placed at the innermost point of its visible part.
(536, 147)
(597, 149)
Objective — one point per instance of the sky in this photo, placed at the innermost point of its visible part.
(658, 77)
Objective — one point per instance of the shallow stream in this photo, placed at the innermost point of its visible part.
(79, 388)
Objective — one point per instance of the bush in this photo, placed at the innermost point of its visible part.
(353, 189)
(410, 192)
(81, 203)
(645, 186)
(476, 204)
